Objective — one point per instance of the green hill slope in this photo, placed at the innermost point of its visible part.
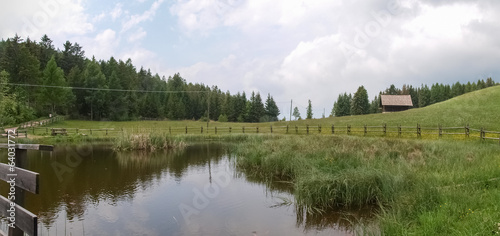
(478, 109)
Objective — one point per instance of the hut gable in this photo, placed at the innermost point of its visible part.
(393, 103)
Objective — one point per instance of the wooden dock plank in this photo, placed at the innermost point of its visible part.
(25, 220)
(25, 179)
(39, 147)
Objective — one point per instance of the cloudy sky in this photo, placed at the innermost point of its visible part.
(292, 49)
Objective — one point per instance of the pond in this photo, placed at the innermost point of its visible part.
(93, 190)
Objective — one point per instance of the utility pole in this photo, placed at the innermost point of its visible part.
(208, 110)
(290, 110)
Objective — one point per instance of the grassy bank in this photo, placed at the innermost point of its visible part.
(422, 187)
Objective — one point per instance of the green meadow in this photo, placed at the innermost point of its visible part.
(418, 186)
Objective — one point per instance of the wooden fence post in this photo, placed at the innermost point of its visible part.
(365, 131)
(202, 129)
(271, 129)
(333, 129)
(21, 158)
(243, 128)
(307, 129)
(215, 129)
(296, 129)
(319, 129)
(481, 135)
(187, 129)
(230, 129)
(467, 131)
(106, 131)
(33, 129)
(90, 131)
(348, 129)
(385, 129)
(399, 130)
(257, 129)
(287, 129)
(440, 131)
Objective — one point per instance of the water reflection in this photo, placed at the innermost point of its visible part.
(101, 192)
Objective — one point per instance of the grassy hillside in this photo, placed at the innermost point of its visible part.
(479, 109)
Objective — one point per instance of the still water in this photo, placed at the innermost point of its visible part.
(93, 190)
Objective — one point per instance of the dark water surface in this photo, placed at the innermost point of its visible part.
(92, 190)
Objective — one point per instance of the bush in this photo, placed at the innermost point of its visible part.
(222, 118)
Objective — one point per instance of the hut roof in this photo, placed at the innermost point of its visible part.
(396, 100)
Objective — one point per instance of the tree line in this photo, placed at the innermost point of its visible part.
(358, 104)
(36, 80)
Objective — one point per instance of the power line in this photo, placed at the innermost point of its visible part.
(103, 89)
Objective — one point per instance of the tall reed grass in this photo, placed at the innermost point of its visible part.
(420, 187)
(147, 141)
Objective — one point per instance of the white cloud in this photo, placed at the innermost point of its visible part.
(293, 48)
(117, 11)
(147, 15)
(138, 35)
(99, 17)
(103, 45)
(34, 19)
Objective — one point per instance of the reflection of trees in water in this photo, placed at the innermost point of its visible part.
(339, 219)
(105, 175)
(176, 163)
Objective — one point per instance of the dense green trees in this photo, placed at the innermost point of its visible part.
(109, 89)
(116, 90)
(342, 107)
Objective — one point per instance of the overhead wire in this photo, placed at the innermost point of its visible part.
(104, 89)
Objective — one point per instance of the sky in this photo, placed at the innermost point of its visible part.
(293, 49)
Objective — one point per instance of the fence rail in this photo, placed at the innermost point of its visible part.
(383, 130)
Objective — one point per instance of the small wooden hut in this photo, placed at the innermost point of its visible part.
(395, 103)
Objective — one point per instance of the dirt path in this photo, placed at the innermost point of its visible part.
(26, 125)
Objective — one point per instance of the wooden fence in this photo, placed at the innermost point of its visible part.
(21, 180)
(365, 130)
(40, 123)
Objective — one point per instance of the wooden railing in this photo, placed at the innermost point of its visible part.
(22, 220)
(383, 130)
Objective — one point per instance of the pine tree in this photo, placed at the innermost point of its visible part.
(117, 102)
(424, 96)
(272, 111)
(256, 108)
(375, 104)
(296, 113)
(342, 107)
(360, 104)
(309, 110)
(53, 96)
(95, 98)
